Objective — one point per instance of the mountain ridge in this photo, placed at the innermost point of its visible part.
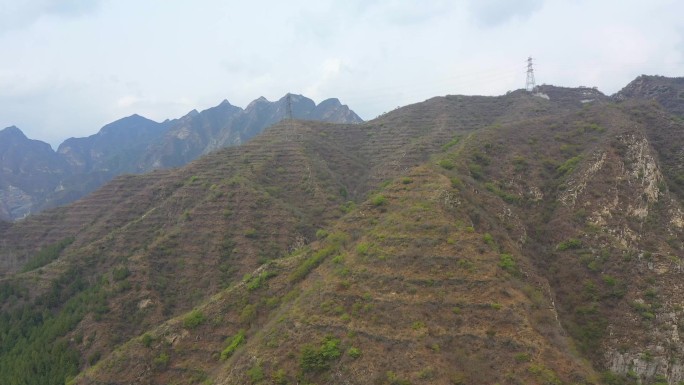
(135, 144)
(523, 239)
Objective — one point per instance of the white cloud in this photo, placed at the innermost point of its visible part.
(328, 71)
(70, 67)
(18, 14)
(492, 13)
(128, 101)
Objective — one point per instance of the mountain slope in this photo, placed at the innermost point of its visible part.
(111, 149)
(136, 145)
(512, 239)
(225, 125)
(668, 92)
(29, 170)
(408, 292)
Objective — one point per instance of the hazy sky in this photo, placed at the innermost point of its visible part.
(70, 66)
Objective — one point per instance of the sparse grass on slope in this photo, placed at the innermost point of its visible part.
(460, 240)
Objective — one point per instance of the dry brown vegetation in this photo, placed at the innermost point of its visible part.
(462, 240)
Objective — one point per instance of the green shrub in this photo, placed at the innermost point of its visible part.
(161, 361)
(378, 200)
(146, 340)
(506, 262)
(47, 254)
(394, 379)
(609, 280)
(507, 197)
(446, 164)
(523, 357)
(548, 376)
(456, 182)
(318, 359)
(490, 186)
(589, 127)
(569, 165)
(193, 319)
(610, 378)
(451, 143)
(120, 273)
(348, 206)
(279, 377)
(363, 248)
(233, 343)
(519, 163)
(334, 242)
(310, 263)
(481, 159)
(427, 373)
(338, 238)
(248, 313)
(255, 373)
(354, 352)
(570, 244)
(476, 171)
(253, 283)
(489, 239)
(93, 358)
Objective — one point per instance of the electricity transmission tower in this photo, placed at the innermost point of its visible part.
(529, 83)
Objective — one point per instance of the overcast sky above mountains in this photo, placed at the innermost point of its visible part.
(69, 66)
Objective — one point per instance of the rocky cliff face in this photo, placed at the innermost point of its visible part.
(29, 171)
(115, 148)
(198, 134)
(668, 92)
(36, 178)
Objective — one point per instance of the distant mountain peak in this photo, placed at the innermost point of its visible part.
(668, 91)
(135, 144)
(128, 119)
(13, 131)
(430, 251)
(126, 123)
(293, 97)
(255, 102)
(331, 102)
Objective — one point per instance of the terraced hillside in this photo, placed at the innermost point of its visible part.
(33, 177)
(523, 239)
